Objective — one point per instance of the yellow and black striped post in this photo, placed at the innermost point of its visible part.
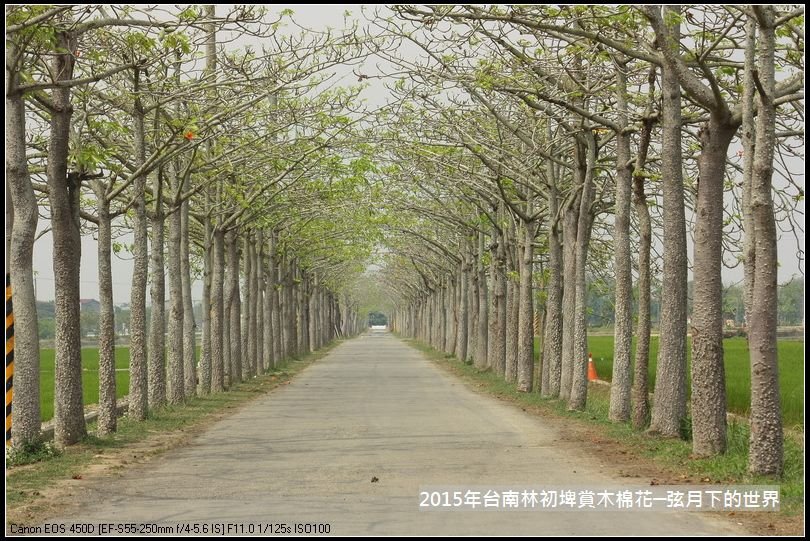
(9, 357)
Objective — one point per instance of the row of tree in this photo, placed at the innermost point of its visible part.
(145, 129)
(601, 311)
(538, 143)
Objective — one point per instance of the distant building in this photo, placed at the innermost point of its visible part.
(90, 304)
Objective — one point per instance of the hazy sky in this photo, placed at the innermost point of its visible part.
(317, 17)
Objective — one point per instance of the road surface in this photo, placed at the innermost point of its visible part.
(374, 408)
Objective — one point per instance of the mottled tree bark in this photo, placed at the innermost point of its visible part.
(452, 327)
(245, 349)
(189, 326)
(107, 414)
(552, 337)
(235, 309)
(217, 312)
(260, 366)
(302, 307)
(441, 315)
(462, 330)
(512, 307)
(481, 341)
(313, 310)
(472, 304)
(63, 196)
(579, 372)
(525, 360)
(157, 323)
(138, 399)
(288, 324)
(267, 294)
(493, 305)
(708, 371)
(204, 384)
(570, 219)
(622, 267)
(766, 450)
(501, 305)
(749, 251)
(275, 310)
(252, 300)
(176, 357)
(227, 304)
(641, 407)
(669, 405)
(512, 330)
(23, 203)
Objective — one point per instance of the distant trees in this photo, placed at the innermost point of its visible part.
(791, 302)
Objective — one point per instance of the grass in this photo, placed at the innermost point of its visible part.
(673, 454)
(25, 484)
(738, 372)
(89, 377)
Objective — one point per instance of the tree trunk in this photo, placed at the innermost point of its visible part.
(23, 203)
(287, 312)
(227, 304)
(189, 326)
(157, 323)
(493, 307)
(313, 310)
(463, 307)
(552, 337)
(525, 360)
(512, 330)
(472, 304)
(235, 308)
(217, 312)
(204, 384)
(512, 308)
(501, 306)
(570, 219)
(267, 294)
(273, 278)
(669, 405)
(579, 375)
(641, 407)
(253, 282)
(708, 372)
(107, 413)
(748, 137)
(63, 194)
(441, 315)
(766, 451)
(450, 315)
(301, 301)
(176, 357)
(245, 350)
(481, 341)
(623, 330)
(260, 366)
(138, 399)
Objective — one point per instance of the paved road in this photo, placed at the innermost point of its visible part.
(374, 407)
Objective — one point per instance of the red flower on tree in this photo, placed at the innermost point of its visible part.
(189, 135)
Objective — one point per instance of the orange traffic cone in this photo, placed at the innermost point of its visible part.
(591, 369)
